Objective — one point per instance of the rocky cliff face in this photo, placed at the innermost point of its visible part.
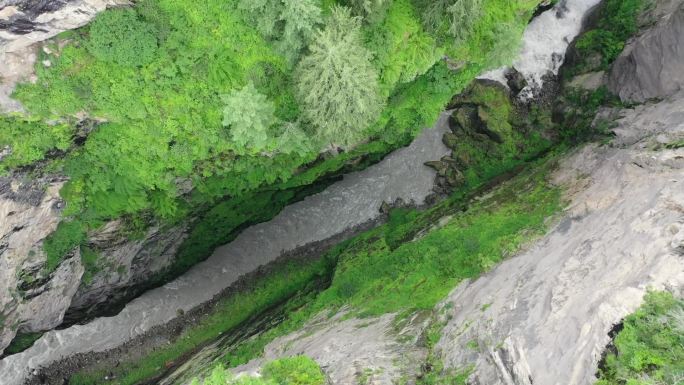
(30, 299)
(24, 22)
(547, 313)
(30, 211)
(651, 65)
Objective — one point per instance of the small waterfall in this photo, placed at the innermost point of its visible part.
(545, 42)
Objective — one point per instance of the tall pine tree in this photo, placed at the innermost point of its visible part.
(336, 84)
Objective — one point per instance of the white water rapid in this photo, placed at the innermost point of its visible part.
(545, 42)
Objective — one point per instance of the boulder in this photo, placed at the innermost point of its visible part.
(515, 81)
(652, 65)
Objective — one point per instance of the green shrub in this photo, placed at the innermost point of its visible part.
(618, 21)
(298, 370)
(119, 36)
(26, 140)
(67, 236)
(89, 260)
(649, 349)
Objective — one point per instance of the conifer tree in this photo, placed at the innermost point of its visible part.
(249, 115)
(336, 84)
(453, 18)
(290, 24)
(371, 10)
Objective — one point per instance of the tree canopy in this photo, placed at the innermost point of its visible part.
(336, 84)
(249, 115)
(119, 36)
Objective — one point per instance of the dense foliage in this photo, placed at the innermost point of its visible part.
(649, 350)
(234, 98)
(298, 370)
(336, 84)
(25, 140)
(121, 37)
(617, 22)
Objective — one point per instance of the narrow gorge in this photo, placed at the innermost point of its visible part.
(310, 192)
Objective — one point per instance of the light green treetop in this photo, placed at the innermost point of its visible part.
(249, 115)
(336, 84)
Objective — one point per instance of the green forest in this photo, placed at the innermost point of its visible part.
(245, 101)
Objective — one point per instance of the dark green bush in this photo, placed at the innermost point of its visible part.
(618, 21)
(67, 237)
(119, 36)
(650, 347)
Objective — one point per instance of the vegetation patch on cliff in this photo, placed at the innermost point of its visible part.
(649, 349)
(299, 370)
(618, 20)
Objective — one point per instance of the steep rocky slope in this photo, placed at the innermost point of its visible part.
(31, 209)
(651, 66)
(544, 316)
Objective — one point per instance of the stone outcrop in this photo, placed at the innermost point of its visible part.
(32, 299)
(25, 22)
(353, 351)
(543, 317)
(15, 67)
(651, 66)
(127, 267)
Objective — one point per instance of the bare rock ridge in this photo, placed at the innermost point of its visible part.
(651, 66)
(24, 22)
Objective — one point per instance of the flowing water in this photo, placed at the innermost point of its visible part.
(350, 202)
(353, 201)
(545, 42)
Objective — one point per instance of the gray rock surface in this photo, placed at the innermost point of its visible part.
(15, 67)
(549, 310)
(25, 22)
(31, 300)
(590, 81)
(652, 65)
(125, 266)
(353, 201)
(349, 350)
